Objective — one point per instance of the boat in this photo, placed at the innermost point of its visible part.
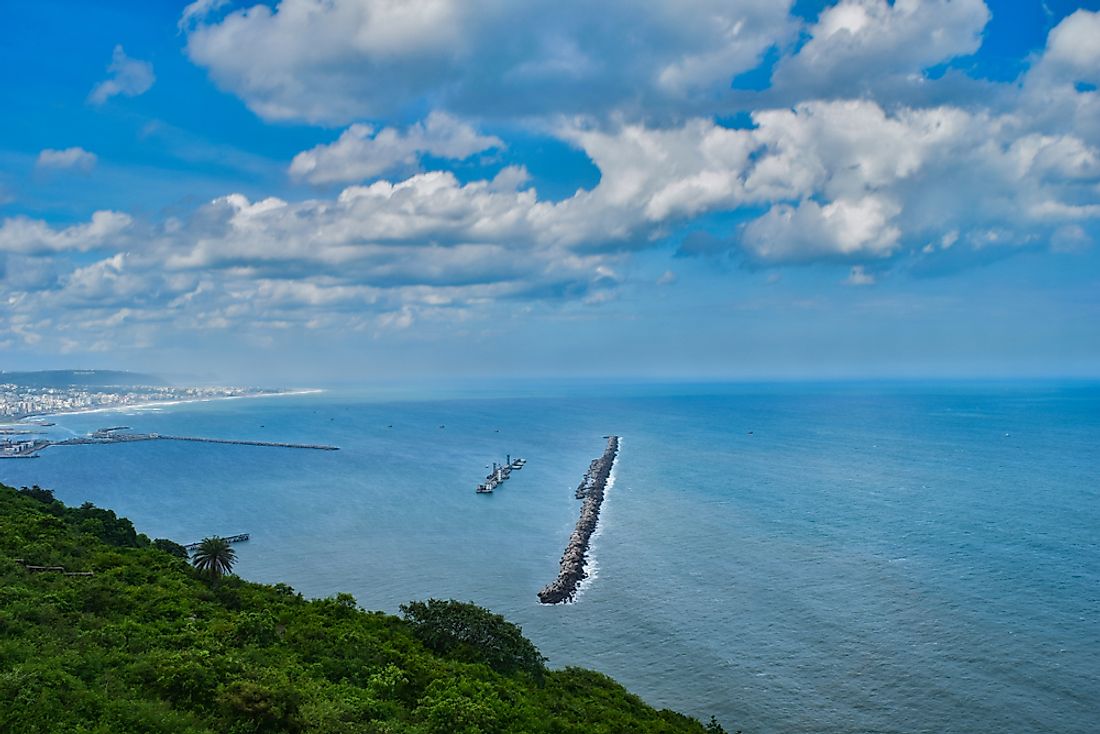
(499, 474)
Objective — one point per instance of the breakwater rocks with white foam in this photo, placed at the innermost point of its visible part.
(573, 561)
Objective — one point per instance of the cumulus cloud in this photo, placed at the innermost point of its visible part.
(845, 177)
(859, 46)
(841, 180)
(1072, 47)
(362, 152)
(653, 174)
(844, 228)
(346, 60)
(68, 158)
(33, 236)
(128, 77)
(1059, 91)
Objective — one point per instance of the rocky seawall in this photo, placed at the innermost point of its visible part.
(591, 491)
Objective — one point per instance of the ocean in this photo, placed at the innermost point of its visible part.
(847, 557)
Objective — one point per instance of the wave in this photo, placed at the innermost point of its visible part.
(591, 563)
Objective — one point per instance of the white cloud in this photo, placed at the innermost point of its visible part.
(362, 152)
(1072, 46)
(128, 77)
(33, 236)
(661, 173)
(1051, 97)
(853, 179)
(858, 46)
(861, 227)
(68, 158)
(198, 11)
(858, 276)
(837, 179)
(346, 60)
(840, 179)
(107, 282)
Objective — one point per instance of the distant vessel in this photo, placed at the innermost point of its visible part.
(499, 474)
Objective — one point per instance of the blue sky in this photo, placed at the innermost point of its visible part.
(357, 189)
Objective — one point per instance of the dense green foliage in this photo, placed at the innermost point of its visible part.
(468, 632)
(148, 644)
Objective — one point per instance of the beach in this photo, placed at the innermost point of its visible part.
(153, 404)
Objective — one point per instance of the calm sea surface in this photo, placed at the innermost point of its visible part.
(795, 558)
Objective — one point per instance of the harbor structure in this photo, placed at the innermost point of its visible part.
(238, 538)
(10, 449)
(573, 567)
(500, 474)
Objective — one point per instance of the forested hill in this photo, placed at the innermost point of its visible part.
(146, 644)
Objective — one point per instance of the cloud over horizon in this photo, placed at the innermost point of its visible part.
(433, 132)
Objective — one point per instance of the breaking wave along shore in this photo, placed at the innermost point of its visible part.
(573, 561)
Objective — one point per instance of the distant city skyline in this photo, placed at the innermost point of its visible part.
(305, 192)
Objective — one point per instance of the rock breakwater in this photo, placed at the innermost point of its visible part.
(591, 491)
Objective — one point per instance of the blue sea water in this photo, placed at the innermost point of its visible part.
(790, 558)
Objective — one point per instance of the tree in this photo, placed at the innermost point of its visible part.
(713, 727)
(214, 556)
(467, 632)
(171, 547)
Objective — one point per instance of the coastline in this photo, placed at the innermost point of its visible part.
(161, 403)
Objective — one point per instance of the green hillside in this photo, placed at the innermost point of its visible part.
(147, 644)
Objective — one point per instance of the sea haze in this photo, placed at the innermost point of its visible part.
(795, 558)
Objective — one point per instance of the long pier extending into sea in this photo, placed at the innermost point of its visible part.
(238, 538)
(114, 434)
(591, 489)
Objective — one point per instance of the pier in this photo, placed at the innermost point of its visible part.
(235, 442)
(29, 449)
(26, 449)
(499, 474)
(573, 561)
(238, 538)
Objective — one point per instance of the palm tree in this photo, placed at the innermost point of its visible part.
(214, 556)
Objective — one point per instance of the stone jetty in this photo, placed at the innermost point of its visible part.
(28, 449)
(591, 491)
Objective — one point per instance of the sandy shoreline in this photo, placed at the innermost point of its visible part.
(161, 403)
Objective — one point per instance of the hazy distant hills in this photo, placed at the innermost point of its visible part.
(80, 378)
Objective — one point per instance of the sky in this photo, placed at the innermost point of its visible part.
(352, 190)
